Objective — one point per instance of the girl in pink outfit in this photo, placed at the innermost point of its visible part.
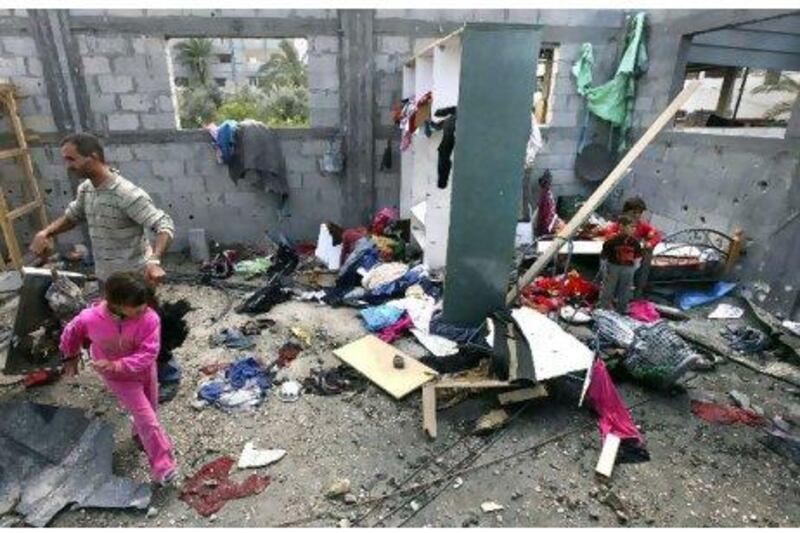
(125, 337)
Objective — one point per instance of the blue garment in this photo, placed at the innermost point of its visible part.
(364, 255)
(380, 317)
(689, 299)
(211, 391)
(225, 136)
(243, 369)
(398, 286)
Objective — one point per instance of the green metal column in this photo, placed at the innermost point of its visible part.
(498, 74)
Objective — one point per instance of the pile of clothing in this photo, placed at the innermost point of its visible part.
(242, 385)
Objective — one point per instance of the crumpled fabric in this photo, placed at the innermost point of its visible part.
(534, 143)
(614, 416)
(244, 384)
(643, 311)
(65, 298)
(333, 381)
(381, 317)
(232, 338)
(253, 267)
(546, 294)
(614, 100)
(383, 274)
(396, 330)
(689, 299)
(458, 334)
(224, 139)
(745, 339)
(364, 255)
(401, 284)
(257, 150)
(725, 414)
(383, 219)
(210, 488)
(420, 310)
(350, 238)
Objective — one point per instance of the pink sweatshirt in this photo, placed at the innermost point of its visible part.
(132, 344)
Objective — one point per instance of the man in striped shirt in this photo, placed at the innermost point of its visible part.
(116, 211)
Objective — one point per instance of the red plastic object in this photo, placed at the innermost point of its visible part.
(39, 377)
(210, 488)
(548, 294)
(382, 219)
(725, 414)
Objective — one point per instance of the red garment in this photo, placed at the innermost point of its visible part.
(546, 213)
(547, 294)
(209, 489)
(604, 399)
(644, 232)
(349, 239)
(383, 219)
(288, 353)
(643, 311)
(621, 250)
(725, 414)
(396, 330)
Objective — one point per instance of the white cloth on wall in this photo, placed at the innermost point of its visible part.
(534, 143)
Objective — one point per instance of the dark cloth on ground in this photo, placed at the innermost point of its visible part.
(333, 381)
(465, 359)
(446, 147)
(512, 359)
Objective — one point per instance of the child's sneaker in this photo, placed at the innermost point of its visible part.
(171, 480)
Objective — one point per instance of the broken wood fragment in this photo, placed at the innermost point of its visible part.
(608, 456)
(522, 395)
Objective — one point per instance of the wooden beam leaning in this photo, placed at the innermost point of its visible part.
(602, 192)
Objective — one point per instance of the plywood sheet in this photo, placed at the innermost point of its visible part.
(374, 359)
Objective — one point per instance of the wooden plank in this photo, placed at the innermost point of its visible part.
(429, 409)
(469, 384)
(602, 192)
(522, 395)
(608, 456)
(440, 42)
(375, 360)
(8, 233)
(12, 152)
(24, 210)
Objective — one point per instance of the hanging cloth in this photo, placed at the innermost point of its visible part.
(614, 100)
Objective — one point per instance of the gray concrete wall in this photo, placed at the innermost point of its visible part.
(115, 62)
(721, 182)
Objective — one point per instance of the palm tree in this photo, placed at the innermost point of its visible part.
(194, 53)
(785, 84)
(283, 68)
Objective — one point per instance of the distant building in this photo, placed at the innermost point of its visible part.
(234, 63)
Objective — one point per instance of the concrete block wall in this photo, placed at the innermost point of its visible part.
(122, 61)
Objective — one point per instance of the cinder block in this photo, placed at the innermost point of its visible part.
(136, 102)
(109, 45)
(12, 66)
(110, 83)
(34, 66)
(123, 122)
(170, 170)
(326, 64)
(165, 103)
(150, 83)
(323, 98)
(324, 118)
(136, 171)
(133, 66)
(324, 44)
(40, 123)
(118, 153)
(391, 44)
(161, 121)
(103, 103)
(96, 65)
(20, 46)
(127, 12)
(30, 86)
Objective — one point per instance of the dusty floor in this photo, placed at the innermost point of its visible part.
(699, 475)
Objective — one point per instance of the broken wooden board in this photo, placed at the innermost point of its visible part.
(429, 409)
(711, 340)
(608, 456)
(522, 395)
(374, 359)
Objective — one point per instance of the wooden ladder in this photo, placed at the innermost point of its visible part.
(8, 99)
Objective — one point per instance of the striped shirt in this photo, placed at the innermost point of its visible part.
(117, 213)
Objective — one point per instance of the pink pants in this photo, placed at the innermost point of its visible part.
(140, 399)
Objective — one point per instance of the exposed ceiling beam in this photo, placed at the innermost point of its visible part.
(753, 40)
(717, 19)
(739, 57)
